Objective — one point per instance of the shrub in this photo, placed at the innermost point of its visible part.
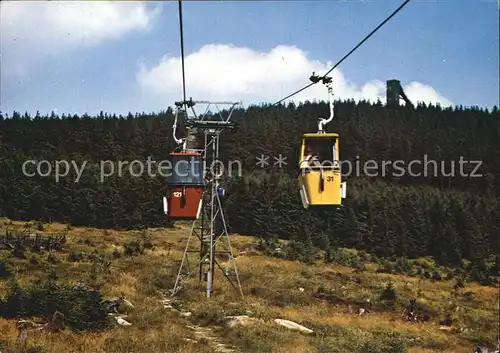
(426, 263)
(389, 293)
(267, 245)
(146, 240)
(18, 251)
(4, 269)
(402, 265)
(345, 257)
(436, 276)
(133, 248)
(386, 267)
(51, 258)
(39, 226)
(83, 308)
(76, 256)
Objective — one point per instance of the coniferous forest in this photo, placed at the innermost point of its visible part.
(450, 212)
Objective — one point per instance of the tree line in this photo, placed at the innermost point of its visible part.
(452, 218)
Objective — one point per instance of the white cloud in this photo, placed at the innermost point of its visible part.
(226, 72)
(422, 93)
(31, 31)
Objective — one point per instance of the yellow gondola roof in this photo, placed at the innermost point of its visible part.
(318, 135)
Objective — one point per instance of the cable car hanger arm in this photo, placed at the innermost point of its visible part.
(327, 81)
(174, 129)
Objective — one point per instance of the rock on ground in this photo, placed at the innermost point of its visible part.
(293, 325)
(242, 320)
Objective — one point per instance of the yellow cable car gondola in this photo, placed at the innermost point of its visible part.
(320, 178)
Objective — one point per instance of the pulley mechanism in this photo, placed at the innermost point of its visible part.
(187, 103)
(315, 79)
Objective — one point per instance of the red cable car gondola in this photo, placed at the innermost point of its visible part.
(186, 184)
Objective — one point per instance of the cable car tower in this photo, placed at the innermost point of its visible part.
(394, 93)
(194, 186)
(209, 223)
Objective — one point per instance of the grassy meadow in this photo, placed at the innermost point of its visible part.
(319, 296)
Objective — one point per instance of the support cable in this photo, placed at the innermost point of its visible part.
(348, 54)
(182, 52)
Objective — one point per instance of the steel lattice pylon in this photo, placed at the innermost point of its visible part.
(211, 228)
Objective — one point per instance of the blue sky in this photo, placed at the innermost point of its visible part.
(64, 57)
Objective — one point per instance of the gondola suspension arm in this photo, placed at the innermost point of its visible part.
(178, 141)
(327, 81)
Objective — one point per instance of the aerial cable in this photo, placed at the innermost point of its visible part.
(345, 57)
(182, 53)
(184, 103)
